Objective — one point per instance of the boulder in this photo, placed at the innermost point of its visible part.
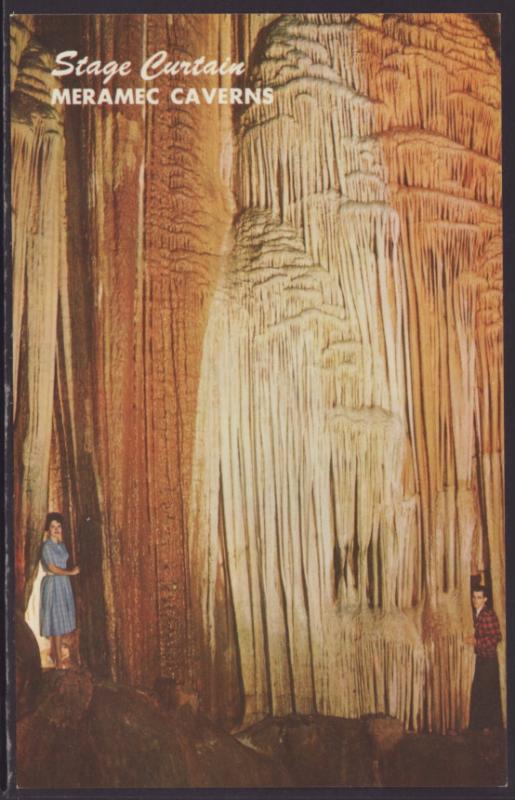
(65, 696)
(469, 759)
(385, 733)
(217, 759)
(54, 747)
(136, 746)
(315, 750)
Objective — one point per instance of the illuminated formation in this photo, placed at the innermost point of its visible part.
(277, 419)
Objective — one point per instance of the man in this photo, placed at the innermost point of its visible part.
(485, 698)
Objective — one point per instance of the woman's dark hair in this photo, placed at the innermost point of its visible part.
(53, 516)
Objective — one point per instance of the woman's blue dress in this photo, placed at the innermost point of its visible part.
(57, 613)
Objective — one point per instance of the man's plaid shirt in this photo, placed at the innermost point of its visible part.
(487, 633)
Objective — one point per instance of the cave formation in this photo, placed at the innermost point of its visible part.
(257, 358)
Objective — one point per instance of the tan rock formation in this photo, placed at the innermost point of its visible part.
(39, 270)
(340, 463)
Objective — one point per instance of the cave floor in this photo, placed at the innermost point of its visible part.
(85, 733)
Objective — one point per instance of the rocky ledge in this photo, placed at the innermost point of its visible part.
(79, 732)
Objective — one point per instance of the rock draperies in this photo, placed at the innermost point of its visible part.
(159, 215)
(341, 471)
(147, 220)
(39, 270)
(258, 351)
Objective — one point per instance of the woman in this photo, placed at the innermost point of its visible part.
(57, 613)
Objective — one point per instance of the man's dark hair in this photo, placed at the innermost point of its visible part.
(481, 589)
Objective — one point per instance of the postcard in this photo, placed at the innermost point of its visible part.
(257, 383)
